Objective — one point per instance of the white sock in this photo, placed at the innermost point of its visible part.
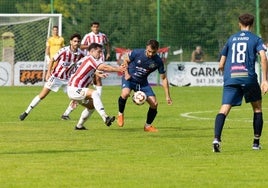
(84, 116)
(68, 111)
(98, 104)
(33, 104)
(70, 108)
(99, 89)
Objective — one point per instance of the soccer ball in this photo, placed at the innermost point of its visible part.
(139, 97)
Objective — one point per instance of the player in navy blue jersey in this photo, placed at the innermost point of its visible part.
(237, 61)
(142, 62)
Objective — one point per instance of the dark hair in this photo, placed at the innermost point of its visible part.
(246, 19)
(153, 43)
(94, 23)
(55, 26)
(94, 46)
(76, 35)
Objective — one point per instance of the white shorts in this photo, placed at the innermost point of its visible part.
(78, 94)
(54, 84)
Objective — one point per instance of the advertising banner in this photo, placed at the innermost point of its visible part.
(178, 73)
(196, 74)
(5, 74)
(28, 73)
(31, 73)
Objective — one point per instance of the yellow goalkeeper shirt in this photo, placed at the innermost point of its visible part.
(55, 43)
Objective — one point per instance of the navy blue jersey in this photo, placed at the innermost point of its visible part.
(241, 51)
(141, 66)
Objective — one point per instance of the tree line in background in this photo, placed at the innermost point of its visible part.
(131, 23)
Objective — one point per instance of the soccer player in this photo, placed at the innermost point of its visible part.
(142, 62)
(54, 43)
(78, 89)
(95, 36)
(237, 61)
(60, 68)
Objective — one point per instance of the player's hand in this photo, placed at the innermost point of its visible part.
(101, 74)
(169, 101)
(123, 68)
(221, 68)
(124, 65)
(264, 87)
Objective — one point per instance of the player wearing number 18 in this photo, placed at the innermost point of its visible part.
(237, 61)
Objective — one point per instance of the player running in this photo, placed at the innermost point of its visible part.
(60, 68)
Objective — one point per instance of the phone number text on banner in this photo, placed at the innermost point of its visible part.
(196, 74)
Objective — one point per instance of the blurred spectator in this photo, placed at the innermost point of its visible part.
(197, 55)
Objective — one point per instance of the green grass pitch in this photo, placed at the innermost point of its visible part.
(45, 151)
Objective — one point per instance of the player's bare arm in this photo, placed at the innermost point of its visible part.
(109, 68)
(264, 66)
(222, 63)
(49, 68)
(47, 53)
(166, 88)
(83, 47)
(108, 50)
(125, 63)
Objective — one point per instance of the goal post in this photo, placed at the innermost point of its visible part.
(28, 34)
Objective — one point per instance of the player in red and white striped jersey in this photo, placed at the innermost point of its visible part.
(64, 64)
(63, 67)
(60, 68)
(84, 76)
(95, 36)
(78, 89)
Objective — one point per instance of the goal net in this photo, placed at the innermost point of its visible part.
(27, 34)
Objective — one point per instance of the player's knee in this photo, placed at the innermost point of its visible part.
(153, 105)
(125, 94)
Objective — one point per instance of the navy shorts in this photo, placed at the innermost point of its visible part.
(233, 94)
(132, 85)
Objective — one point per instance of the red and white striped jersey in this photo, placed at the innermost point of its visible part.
(91, 37)
(66, 62)
(84, 75)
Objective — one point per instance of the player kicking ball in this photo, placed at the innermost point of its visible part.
(141, 63)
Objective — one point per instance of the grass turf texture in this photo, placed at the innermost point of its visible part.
(45, 151)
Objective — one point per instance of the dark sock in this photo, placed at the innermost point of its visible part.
(151, 115)
(256, 141)
(121, 104)
(257, 124)
(219, 123)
